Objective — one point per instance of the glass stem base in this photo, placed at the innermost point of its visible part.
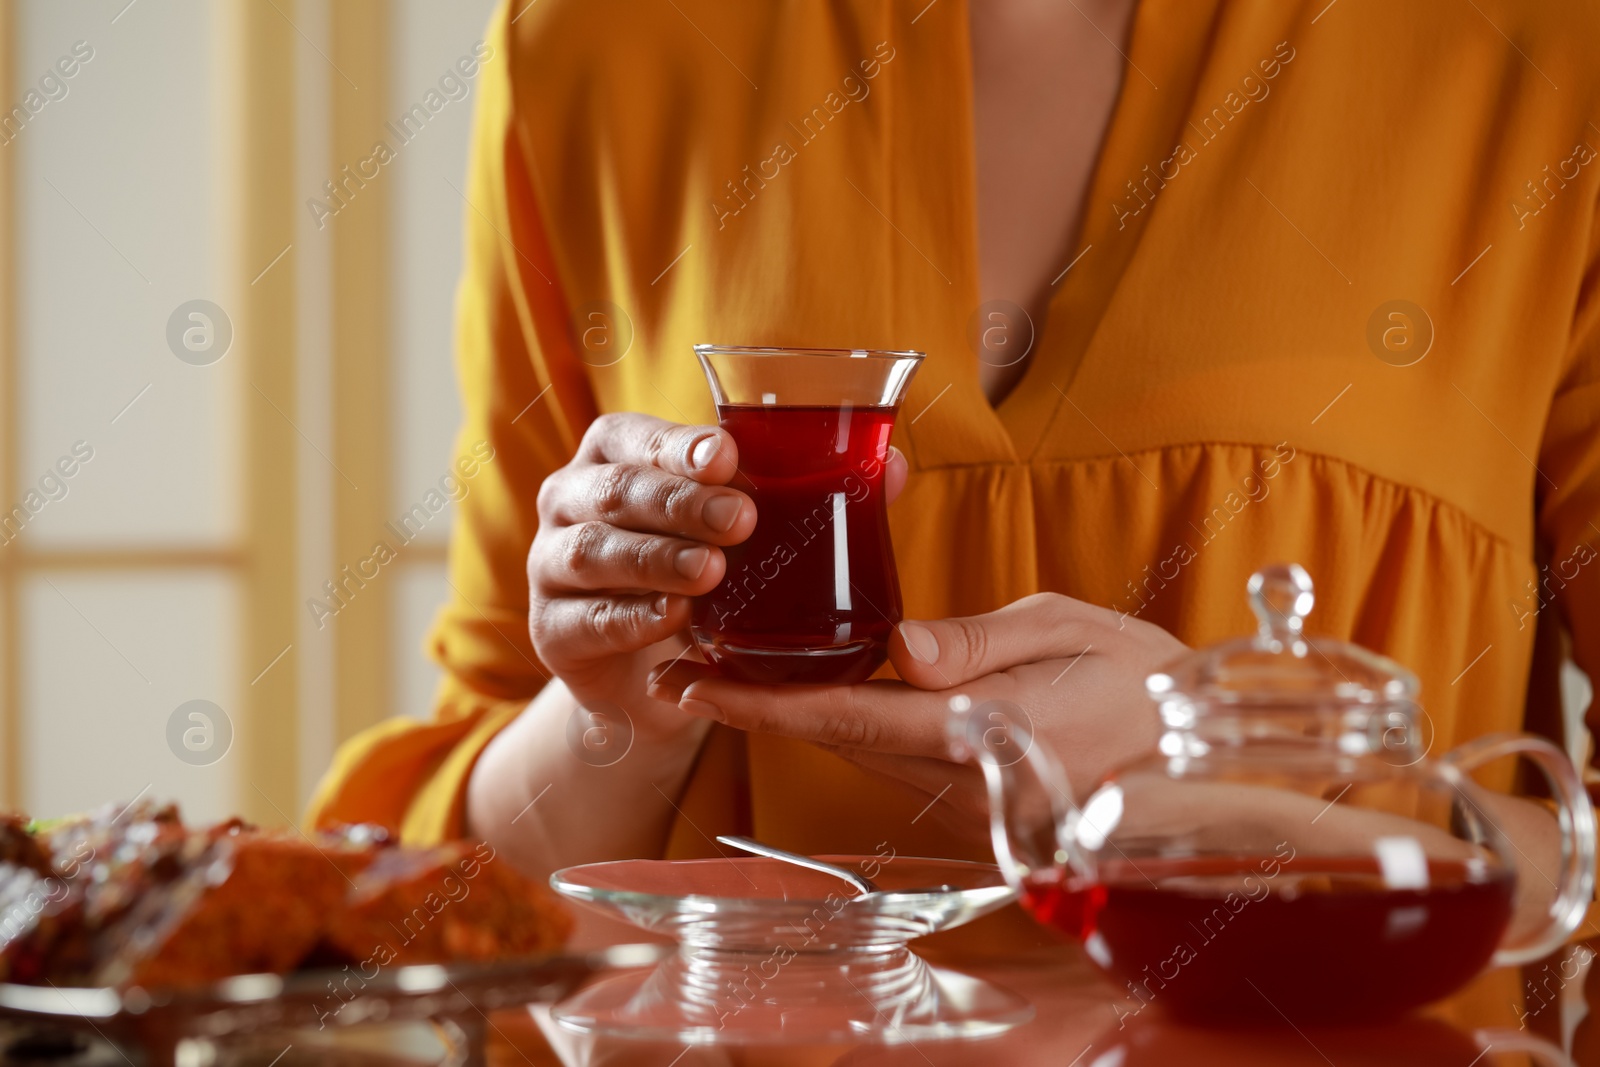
(834, 665)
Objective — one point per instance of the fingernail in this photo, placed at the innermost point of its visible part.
(691, 562)
(920, 640)
(704, 451)
(660, 690)
(661, 604)
(721, 512)
(701, 709)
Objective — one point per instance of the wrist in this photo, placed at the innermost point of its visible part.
(605, 723)
(661, 722)
(618, 692)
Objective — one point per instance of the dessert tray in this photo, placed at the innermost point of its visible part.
(458, 996)
(131, 928)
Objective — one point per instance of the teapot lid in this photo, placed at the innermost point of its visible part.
(1280, 664)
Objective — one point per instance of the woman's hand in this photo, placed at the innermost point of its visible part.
(1076, 670)
(628, 531)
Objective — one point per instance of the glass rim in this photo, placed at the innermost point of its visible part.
(836, 353)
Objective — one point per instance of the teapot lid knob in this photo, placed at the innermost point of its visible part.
(1281, 596)
(1280, 665)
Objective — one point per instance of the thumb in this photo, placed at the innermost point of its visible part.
(938, 654)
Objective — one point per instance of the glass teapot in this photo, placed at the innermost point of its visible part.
(1290, 850)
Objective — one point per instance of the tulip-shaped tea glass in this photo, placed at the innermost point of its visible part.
(811, 595)
(1292, 849)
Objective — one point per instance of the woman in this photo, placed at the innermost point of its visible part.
(1309, 282)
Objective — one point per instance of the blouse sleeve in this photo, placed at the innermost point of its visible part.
(526, 404)
(1569, 481)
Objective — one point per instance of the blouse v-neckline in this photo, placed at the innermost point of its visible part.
(1162, 69)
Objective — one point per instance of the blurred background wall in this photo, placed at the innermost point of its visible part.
(229, 458)
(159, 153)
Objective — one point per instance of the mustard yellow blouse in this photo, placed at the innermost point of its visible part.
(1334, 300)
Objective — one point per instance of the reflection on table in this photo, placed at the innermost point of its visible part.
(1508, 1016)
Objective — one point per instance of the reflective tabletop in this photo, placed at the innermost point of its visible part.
(1537, 1014)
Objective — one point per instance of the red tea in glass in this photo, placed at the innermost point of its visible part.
(812, 594)
(1323, 939)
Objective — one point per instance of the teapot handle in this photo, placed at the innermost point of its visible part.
(1575, 812)
(1032, 818)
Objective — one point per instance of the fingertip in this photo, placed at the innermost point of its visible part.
(920, 641)
(702, 709)
(691, 562)
(711, 577)
(703, 451)
(668, 681)
(908, 653)
(721, 512)
(745, 524)
(656, 687)
(731, 516)
(673, 611)
(707, 687)
(712, 456)
(897, 471)
(695, 685)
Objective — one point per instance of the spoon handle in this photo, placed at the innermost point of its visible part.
(863, 885)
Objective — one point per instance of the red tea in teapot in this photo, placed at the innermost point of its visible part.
(811, 596)
(1321, 939)
(1400, 897)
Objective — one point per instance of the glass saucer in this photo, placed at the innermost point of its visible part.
(769, 952)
